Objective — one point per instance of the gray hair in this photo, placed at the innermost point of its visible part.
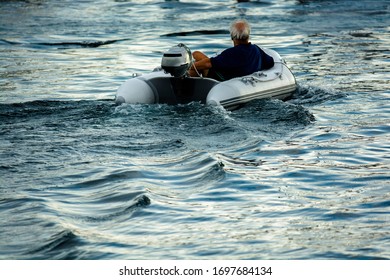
(240, 30)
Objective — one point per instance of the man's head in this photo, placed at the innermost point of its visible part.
(240, 30)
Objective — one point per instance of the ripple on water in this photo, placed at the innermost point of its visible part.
(301, 179)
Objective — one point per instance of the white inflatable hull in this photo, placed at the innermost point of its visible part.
(159, 87)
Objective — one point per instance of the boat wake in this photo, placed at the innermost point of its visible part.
(313, 95)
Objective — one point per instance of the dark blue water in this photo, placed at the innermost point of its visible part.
(82, 178)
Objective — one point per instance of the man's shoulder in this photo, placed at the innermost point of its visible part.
(247, 47)
(234, 50)
(229, 50)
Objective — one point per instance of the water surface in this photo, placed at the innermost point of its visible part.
(82, 178)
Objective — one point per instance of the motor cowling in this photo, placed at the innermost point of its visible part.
(177, 60)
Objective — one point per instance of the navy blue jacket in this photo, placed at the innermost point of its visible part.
(239, 61)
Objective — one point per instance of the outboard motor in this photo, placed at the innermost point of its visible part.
(177, 60)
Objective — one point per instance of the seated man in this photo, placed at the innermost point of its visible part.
(242, 59)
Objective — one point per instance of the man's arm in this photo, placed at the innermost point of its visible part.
(203, 64)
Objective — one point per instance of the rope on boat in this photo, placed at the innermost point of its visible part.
(196, 70)
(253, 79)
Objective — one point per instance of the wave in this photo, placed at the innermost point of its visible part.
(141, 201)
(275, 113)
(57, 246)
(314, 95)
(68, 44)
(196, 33)
(83, 44)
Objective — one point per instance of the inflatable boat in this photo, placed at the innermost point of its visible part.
(170, 84)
